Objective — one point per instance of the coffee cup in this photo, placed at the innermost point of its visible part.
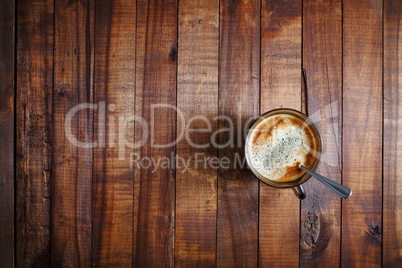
(278, 142)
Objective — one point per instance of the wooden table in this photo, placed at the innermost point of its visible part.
(220, 64)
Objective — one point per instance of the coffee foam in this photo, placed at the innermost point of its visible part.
(278, 145)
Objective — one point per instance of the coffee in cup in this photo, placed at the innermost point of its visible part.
(278, 145)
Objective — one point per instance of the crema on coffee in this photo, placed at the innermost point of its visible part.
(278, 145)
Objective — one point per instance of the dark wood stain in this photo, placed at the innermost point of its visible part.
(103, 21)
(141, 245)
(362, 99)
(113, 191)
(196, 187)
(322, 90)
(33, 131)
(279, 10)
(72, 166)
(7, 190)
(237, 223)
(63, 206)
(392, 199)
(304, 92)
(155, 83)
(173, 53)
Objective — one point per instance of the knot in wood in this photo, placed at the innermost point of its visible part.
(375, 231)
(311, 228)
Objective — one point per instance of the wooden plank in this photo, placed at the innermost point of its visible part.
(34, 133)
(195, 244)
(154, 190)
(281, 33)
(197, 99)
(114, 86)
(362, 130)
(7, 18)
(72, 164)
(239, 65)
(322, 60)
(392, 206)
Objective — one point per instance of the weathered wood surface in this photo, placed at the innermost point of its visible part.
(197, 99)
(81, 207)
(322, 62)
(7, 61)
(154, 190)
(392, 192)
(281, 43)
(114, 93)
(362, 131)
(35, 33)
(72, 166)
(239, 76)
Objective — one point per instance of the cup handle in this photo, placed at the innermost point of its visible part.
(299, 192)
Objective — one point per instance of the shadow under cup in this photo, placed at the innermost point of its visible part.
(295, 184)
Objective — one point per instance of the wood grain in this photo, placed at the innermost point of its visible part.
(322, 60)
(281, 33)
(195, 240)
(197, 99)
(81, 207)
(7, 24)
(239, 76)
(34, 131)
(392, 201)
(72, 166)
(154, 196)
(114, 85)
(362, 130)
